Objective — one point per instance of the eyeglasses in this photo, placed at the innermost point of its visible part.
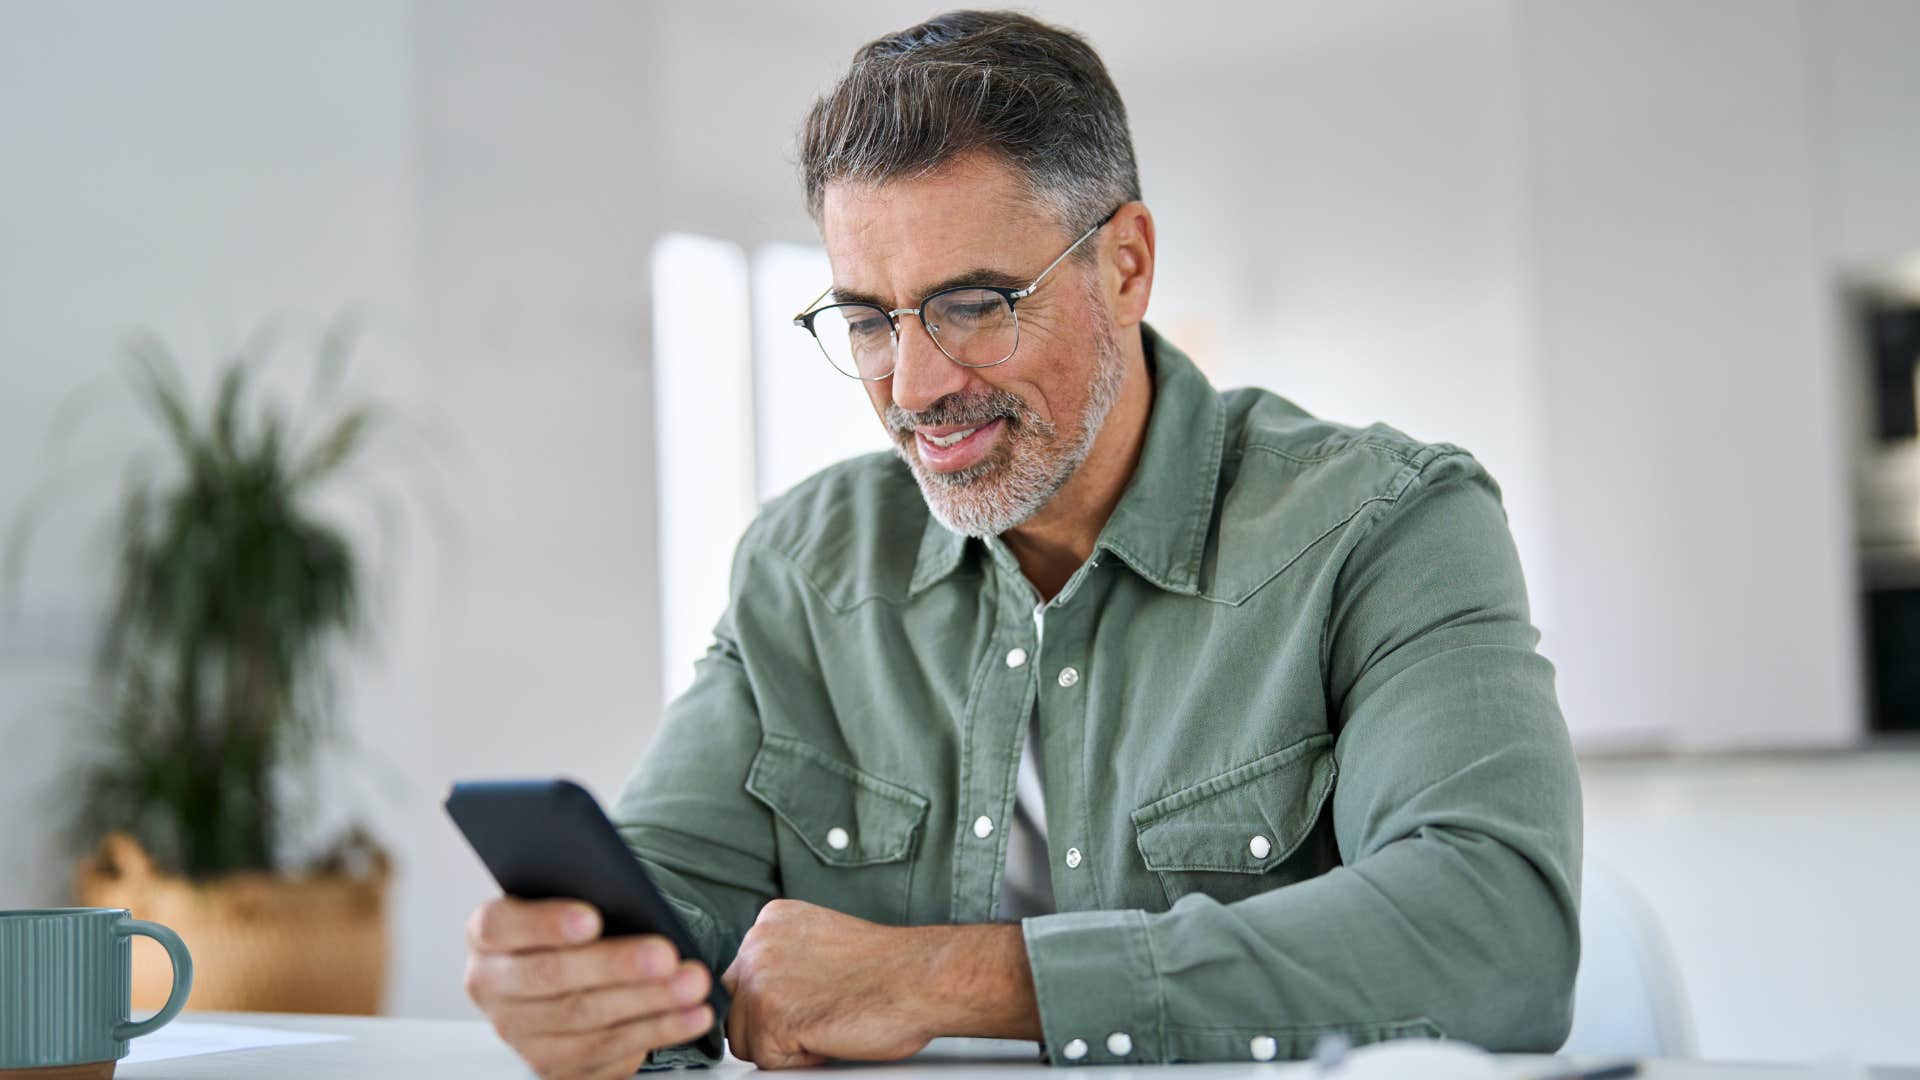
(974, 325)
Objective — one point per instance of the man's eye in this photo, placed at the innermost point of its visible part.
(973, 314)
(867, 328)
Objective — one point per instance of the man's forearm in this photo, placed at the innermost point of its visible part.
(974, 981)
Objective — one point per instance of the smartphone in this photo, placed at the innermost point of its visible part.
(547, 839)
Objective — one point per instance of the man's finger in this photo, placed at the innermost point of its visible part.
(618, 1050)
(547, 973)
(747, 1045)
(739, 1031)
(799, 1059)
(605, 1007)
(509, 925)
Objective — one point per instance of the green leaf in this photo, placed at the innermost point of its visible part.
(336, 447)
(330, 358)
(223, 419)
(158, 384)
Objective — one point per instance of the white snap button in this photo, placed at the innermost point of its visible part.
(1075, 1049)
(837, 838)
(1016, 656)
(1260, 846)
(1263, 1048)
(983, 826)
(1073, 858)
(1069, 676)
(1119, 1044)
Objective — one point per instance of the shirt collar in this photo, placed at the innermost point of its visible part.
(940, 552)
(1159, 527)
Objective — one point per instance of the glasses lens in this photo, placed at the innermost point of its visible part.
(974, 326)
(857, 338)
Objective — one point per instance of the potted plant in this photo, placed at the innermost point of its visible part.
(231, 596)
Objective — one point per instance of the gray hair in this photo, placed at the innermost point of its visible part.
(1033, 94)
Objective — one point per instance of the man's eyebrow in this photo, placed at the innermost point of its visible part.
(979, 275)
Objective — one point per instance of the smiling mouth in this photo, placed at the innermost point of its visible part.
(953, 439)
(956, 450)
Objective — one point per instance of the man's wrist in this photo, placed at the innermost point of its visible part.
(974, 981)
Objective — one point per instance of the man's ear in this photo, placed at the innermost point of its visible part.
(1129, 266)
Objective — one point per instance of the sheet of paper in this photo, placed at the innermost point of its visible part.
(188, 1038)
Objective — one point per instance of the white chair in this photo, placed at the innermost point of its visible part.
(1628, 1000)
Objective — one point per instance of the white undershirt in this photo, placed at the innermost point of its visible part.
(1027, 886)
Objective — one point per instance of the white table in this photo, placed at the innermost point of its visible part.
(384, 1047)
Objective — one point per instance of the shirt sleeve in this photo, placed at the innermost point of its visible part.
(685, 812)
(1456, 811)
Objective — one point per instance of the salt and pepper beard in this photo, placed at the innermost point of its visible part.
(1029, 465)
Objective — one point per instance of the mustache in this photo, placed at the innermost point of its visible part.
(961, 410)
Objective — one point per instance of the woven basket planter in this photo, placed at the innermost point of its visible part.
(260, 942)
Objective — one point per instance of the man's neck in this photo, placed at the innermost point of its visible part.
(1053, 543)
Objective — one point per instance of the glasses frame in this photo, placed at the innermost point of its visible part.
(804, 320)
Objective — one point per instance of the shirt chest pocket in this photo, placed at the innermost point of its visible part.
(845, 837)
(1250, 829)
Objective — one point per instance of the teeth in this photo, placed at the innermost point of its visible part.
(944, 441)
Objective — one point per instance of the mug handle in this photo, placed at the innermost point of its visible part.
(182, 977)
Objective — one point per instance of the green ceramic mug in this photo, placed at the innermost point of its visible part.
(65, 978)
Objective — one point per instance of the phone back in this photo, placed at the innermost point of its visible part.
(547, 839)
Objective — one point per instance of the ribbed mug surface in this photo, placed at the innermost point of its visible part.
(64, 984)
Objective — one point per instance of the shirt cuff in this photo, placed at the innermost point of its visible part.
(710, 1048)
(1099, 992)
(700, 1053)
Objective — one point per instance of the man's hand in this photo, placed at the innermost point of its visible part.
(810, 984)
(574, 1006)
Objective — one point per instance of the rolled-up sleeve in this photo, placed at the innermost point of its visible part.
(1456, 812)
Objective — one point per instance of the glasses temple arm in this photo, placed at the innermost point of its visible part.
(797, 319)
(1028, 291)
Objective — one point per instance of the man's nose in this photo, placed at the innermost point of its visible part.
(922, 374)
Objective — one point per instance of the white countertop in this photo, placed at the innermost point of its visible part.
(383, 1047)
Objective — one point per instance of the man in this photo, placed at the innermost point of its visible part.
(1146, 721)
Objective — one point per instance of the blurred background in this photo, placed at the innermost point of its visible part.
(1657, 264)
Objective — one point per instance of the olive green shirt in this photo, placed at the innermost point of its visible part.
(1304, 770)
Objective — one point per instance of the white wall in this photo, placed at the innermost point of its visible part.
(537, 209)
(1866, 95)
(191, 169)
(1683, 329)
(477, 178)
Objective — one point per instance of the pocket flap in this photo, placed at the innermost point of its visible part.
(847, 816)
(1246, 820)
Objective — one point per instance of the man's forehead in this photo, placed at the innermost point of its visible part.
(893, 237)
